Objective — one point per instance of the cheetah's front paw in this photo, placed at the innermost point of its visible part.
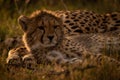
(14, 60)
(29, 62)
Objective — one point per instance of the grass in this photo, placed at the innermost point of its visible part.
(43, 72)
(10, 28)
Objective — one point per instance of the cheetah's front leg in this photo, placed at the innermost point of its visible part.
(29, 62)
(20, 57)
(14, 56)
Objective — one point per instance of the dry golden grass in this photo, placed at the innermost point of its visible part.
(55, 72)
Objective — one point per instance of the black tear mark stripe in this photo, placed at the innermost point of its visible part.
(41, 39)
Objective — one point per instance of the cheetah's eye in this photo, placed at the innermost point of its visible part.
(55, 27)
(41, 27)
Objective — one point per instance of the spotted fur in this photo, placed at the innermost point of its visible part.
(70, 37)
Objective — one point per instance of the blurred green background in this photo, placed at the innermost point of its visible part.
(10, 10)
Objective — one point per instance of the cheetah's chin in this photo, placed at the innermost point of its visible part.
(49, 45)
(40, 45)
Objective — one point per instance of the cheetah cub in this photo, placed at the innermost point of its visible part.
(63, 38)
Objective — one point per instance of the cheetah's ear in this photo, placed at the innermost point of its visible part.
(23, 20)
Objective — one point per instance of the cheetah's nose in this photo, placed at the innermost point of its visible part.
(50, 38)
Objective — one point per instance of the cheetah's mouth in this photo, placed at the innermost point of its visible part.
(39, 45)
(45, 42)
(49, 44)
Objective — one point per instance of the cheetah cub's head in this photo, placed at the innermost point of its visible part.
(41, 30)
